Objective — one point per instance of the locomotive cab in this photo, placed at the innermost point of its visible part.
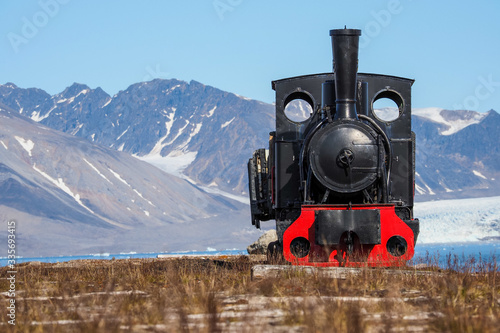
(339, 184)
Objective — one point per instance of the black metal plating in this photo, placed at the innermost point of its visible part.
(343, 153)
(331, 224)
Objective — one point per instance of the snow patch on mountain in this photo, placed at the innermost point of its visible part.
(171, 89)
(211, 112)
(227, 123)
(193, 133)
(421, 190)
(79, 127)
(170, 122)
(431, 192)
(60, 183)
(431, 113)
(174, 163)
(142, 197)
(117, 176)
(28, 145)
(453, 125)
(108, 101)
(243, 97)
(118, 138)
(479, 174)
(36, 115)
(179, 133)
(83, 92)
(97, 170)
(215, 190)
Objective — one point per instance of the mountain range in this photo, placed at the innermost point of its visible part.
(75, 162)
(70, 196)
(187, 129)
(458, 153)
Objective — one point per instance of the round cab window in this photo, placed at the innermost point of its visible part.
(298, 110)
(387, 106)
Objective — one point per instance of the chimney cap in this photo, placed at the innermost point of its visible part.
(345, 32)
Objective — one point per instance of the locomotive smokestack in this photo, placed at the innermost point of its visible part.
(345, 67)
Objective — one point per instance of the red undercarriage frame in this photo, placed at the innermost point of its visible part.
(360, 255)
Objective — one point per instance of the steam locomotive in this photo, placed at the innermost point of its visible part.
(340, 183)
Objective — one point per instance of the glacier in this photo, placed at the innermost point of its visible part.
(460, 220)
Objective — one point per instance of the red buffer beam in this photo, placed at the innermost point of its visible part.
(395, 246)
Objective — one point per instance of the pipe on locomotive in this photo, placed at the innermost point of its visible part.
(345, 45)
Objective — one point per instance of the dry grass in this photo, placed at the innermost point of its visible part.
(218, 295)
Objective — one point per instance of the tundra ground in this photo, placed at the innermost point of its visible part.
(219, 295)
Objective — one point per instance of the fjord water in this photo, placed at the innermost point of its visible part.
(436, 254)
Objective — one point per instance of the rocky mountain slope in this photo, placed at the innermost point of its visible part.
(458, 153)
(68, 193)
(184, 128)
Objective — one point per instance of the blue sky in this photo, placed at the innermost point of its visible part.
(451, 48)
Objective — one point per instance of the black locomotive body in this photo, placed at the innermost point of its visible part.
(340, 184)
